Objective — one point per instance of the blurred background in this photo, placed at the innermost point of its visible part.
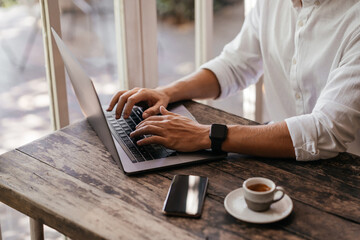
(88, 29)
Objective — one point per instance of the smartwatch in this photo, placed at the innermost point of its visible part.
(218, 134)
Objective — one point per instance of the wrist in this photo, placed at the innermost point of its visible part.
(205, 141)
(168, 92)
(177, 91)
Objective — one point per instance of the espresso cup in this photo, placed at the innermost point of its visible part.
(259, 193)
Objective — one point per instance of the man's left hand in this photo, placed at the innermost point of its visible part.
(174, 132)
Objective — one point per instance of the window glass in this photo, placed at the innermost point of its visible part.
(176, 39)
(88, 30)
(24, 108)
(228, 20)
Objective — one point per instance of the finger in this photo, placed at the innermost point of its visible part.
(164, 111)
(149, 122)
(153, 118)
(122, 100)
(132, 100)
(146, 130)
(152, 140)
(114, 100)
(152, 111)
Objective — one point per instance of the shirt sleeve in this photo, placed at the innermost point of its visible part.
(335, 119)
(240, 63)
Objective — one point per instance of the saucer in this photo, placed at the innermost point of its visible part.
(235, 205)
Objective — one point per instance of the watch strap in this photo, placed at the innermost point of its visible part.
(216, 145)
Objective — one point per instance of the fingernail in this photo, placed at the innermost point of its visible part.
(145, 115)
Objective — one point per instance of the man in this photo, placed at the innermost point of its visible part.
(309, 54)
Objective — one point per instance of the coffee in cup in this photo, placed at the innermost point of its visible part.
(259, 193)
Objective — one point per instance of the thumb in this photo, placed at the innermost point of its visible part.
(151, 111)
(164, 111)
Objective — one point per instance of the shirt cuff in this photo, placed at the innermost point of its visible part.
(218, 67)
(304, 137)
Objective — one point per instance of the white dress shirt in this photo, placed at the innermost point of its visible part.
(309, 55)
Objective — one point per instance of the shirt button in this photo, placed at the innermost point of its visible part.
(317, 3)
(301, 23)
(297, 96)
(294, 61)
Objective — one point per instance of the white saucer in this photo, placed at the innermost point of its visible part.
(235, 205)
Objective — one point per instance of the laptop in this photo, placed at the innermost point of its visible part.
(114, 133)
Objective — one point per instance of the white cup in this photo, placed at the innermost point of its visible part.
(258, 197)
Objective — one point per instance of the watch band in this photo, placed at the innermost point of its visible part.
(216, 145)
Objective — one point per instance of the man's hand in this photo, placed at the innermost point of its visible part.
(126, 100)
(173, 131)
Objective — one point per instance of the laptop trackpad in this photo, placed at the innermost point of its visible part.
(181, 110)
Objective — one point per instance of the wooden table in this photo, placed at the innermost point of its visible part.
(68, 181)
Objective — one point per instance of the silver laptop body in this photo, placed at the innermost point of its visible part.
(91, 108)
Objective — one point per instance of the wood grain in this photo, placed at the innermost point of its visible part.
(320, 194)
(134, 190)
(208, 115)
(219, 178)
(343, 169)
(69, 181)
(74, 207)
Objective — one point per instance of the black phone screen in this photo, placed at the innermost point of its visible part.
(186, 196)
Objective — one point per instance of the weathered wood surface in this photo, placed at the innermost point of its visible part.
(69, 182)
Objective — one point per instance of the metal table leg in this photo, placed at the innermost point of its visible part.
(36, 230)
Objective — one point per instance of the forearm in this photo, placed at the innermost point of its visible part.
(199, 85)
(266, 140)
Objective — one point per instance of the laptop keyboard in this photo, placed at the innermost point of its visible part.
(122, 129)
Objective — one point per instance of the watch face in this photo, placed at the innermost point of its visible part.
(218, 131)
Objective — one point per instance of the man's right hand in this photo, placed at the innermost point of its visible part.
(125, 101)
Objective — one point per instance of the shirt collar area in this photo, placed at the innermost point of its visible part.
(305, 3)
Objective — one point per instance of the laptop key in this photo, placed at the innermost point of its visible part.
(132, 126)
(128, 120)
(145, 153)
(123, 135)
(135, 118)
(127, 130)
(133, 149)
(134, 160)
(138, 157)
(138, 112)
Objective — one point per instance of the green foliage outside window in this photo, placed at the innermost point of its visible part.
(183, 10)
(178, 10)
(7, 3)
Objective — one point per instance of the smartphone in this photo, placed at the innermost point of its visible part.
(186, 196)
